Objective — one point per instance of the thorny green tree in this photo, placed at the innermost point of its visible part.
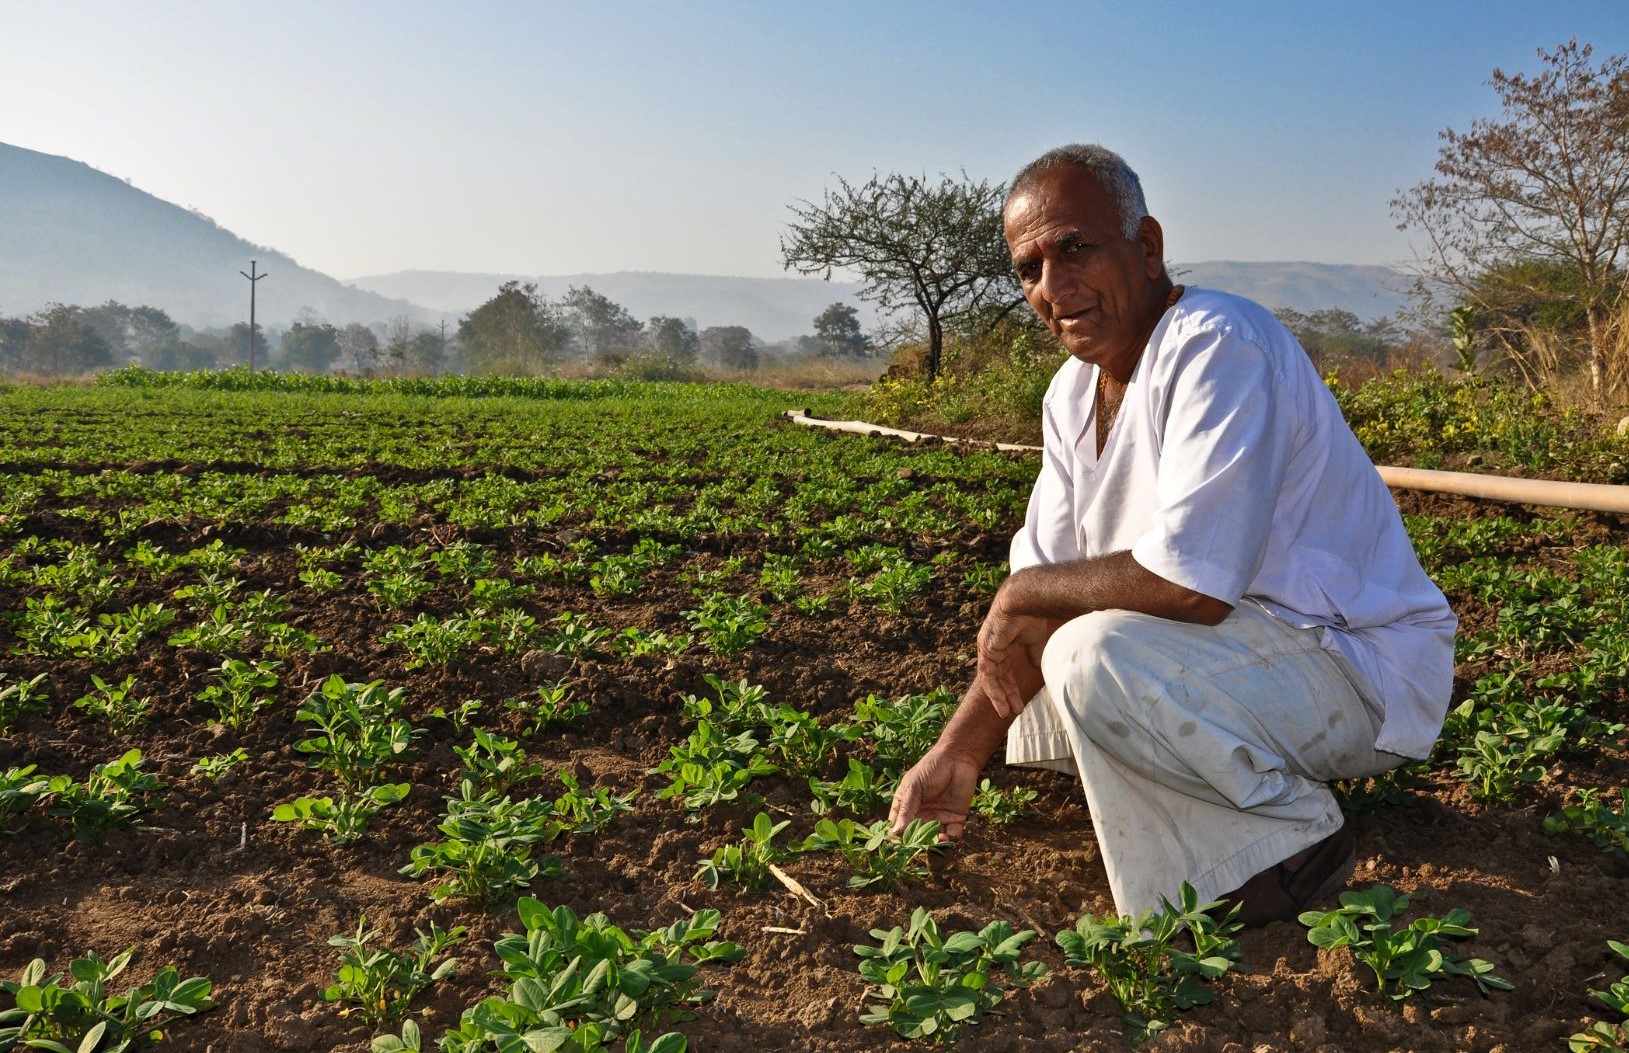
(517, 332)
(936, 247)
(604, 330)
(673, 338)
(838, 333)
(1548, 183)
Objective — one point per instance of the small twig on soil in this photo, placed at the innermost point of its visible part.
(783, 929)
(798, 890)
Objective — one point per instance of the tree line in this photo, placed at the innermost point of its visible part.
(516, 331)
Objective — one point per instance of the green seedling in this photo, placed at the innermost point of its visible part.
(486, 853)
(511, 630)
(861, 791)
(634, 641)
(83, 1016)
(496, 594)
(868, 559)
(19, 698)
(152, 560)
(711, 767)
(1588, 818)
(20, 790)
(895, 586)
(903, 729)
(220, 631)
(1605, 1036)
(47, 626)
(554, 705)
(578, 811)
(113, 795)
(577, 985)
(798, 739)
(398, 589)
(463, 561)
(434, 641)
(359, 730)
(241, 690)
(573, 636)
(495, 763)
(1002, 807)
(1139, 958)
(212, 591)
(735, 707)
(780, 577)
(1368, 795)
(344, 821)
(214, 766)
(118, 704)
(747, 863)
(812, 605)
(874, 854)
(1403, 961)
(931, 986)
(458, 717)
(214, 558)
(728, 625)
(985, 578)
(321, 579)
(379, 984)
(409, 1041)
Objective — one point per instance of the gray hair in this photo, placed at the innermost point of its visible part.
(1110, 170)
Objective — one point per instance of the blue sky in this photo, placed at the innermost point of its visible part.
(569, 137)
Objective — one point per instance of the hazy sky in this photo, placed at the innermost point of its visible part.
(579, 137)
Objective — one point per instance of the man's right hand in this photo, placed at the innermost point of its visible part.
(938, 787)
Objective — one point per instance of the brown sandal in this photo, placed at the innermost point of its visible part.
(1281, 892)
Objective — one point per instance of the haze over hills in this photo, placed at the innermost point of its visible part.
(72, 234)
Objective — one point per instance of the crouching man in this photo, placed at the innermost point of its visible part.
(1214, 609)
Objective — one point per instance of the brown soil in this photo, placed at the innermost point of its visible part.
(212, 886)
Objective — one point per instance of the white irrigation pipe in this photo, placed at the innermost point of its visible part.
(1595, 497)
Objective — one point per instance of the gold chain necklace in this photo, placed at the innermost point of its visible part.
(1108, 409)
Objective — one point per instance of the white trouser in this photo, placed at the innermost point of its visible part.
(1204, 750)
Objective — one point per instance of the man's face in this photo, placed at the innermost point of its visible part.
(1100, 292)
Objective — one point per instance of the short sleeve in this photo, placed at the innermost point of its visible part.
(1226, 438)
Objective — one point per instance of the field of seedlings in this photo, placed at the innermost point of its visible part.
(532, 716)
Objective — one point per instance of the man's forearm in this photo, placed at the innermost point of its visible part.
(975, 729)
(1061, 591)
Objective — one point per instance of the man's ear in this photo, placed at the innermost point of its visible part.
(1151, 238)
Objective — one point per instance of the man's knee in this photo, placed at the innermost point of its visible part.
(1096, 664)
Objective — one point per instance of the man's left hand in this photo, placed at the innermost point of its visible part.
(1010, 647)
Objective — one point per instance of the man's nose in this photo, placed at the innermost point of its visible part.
(1058, 281)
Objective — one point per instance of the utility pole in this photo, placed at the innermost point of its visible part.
(254, 279)
(441, 358)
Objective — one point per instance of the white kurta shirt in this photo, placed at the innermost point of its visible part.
(1230, 471)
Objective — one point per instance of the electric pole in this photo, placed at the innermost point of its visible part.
(254, 279)
(441, 359)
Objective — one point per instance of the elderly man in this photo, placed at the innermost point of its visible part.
(1214, 610)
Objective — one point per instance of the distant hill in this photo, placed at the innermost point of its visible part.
(71, 234)
(773, 308)
(1367, 291)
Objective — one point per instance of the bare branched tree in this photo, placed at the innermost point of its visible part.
(935, 247)
(1527, 218)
